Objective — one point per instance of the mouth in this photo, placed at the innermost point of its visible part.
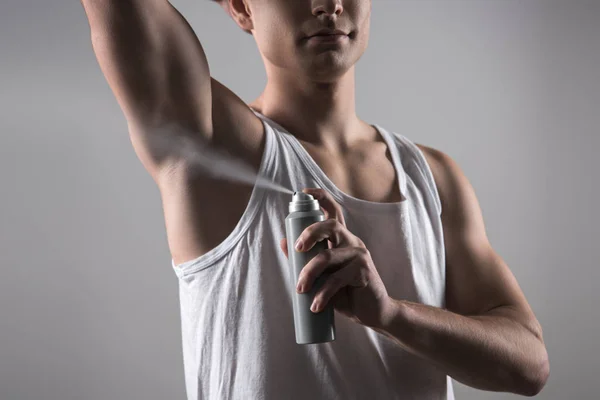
(328, 36)
(328, 32)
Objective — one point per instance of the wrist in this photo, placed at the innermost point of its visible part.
(392, 313)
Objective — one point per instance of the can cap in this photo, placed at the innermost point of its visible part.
(303, 202)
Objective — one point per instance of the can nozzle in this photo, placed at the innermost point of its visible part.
(303, 202)
(301, 196)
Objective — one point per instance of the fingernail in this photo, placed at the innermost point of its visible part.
(299, 288)
(314, 307)
(299, 245)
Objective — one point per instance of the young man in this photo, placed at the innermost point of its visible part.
(420, 294)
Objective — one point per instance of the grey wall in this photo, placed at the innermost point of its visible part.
(88, 300)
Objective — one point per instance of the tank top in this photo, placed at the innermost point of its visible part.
(237, 321)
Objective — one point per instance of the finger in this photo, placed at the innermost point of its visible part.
(329, 260)
(330, 206)
(334, 283)
(283, 245)
(330, 229)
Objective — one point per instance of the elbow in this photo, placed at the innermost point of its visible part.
(534, 379)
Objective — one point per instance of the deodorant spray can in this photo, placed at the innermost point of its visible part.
(304, 210)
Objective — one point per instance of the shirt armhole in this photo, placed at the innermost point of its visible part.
(429, 177)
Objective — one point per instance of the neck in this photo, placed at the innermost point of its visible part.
(320, 113)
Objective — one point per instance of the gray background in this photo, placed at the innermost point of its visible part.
(88, 299)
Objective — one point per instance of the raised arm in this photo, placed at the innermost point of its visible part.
(159, 74)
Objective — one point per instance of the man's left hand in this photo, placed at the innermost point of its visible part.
(354, 286)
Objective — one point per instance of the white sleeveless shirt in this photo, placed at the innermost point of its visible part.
(236, 300)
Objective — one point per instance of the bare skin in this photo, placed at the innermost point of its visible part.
(159, 74)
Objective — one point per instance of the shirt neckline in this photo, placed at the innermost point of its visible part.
(326, 183)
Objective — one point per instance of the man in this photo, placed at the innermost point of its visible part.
(420, 294)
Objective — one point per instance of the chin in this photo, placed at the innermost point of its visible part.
(327, 66)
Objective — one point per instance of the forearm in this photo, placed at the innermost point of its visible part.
(489, 352)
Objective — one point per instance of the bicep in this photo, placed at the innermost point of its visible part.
(477, 278)
(155, 66)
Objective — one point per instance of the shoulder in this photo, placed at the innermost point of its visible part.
(453, 186)
(440, 163)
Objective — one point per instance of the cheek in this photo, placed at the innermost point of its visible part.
(274, 38)
(362, 21)
(365, 32)
(362, 15)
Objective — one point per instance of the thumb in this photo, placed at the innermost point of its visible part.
(283, 245)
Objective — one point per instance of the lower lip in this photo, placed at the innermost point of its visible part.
(327, 39)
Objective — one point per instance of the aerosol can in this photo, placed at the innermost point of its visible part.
(304, 210)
